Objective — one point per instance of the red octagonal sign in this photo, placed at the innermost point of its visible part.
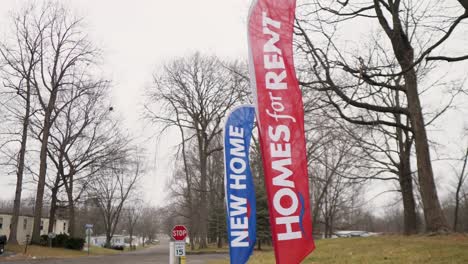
(179, 232)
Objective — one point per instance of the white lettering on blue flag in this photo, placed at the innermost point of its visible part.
(239, 187)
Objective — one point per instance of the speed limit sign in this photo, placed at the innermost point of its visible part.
(179, 248)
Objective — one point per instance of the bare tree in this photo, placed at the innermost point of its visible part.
(133, 215)
(112, 189)
(195, 94)
(461, 179)
(360, 100)
(62, 55)
(149, 223)
(337, 172)
(19, 59)
(84, 139)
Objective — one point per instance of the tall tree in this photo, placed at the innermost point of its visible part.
(133, 214)
(63, 55)
(462, 176)
(201, 91)
(84, 139)
(112, 189)
(19, 58)
(358, 99)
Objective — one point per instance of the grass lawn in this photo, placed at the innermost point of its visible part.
(451, 249)
(46, 252)
(127, 249)
(211, 249)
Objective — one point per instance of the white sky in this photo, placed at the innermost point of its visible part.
(137, 36)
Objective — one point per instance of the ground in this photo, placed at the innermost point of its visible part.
(155, 255)
(452, 249)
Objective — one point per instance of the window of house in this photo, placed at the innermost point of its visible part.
(64, 227)
(25, 223)
(42, 224)
(1, 222)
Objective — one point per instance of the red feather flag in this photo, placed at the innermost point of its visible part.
(280, 116)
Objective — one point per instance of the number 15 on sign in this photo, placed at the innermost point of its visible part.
(179, 249)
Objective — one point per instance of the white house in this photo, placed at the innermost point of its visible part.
(25, 226)
(353, 233)
(100, 241)
(117, 240)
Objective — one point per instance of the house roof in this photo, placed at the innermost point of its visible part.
(45, 214)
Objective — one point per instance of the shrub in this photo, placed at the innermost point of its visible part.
(115, 247)
(44, 241)
(60, 240)
(75, 243)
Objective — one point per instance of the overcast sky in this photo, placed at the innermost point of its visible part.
(137, 36)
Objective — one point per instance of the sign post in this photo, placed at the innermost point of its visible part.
(171, 253)
(179, 233)
(89, 232)
(51, 236)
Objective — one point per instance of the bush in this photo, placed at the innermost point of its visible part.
(63, 241)
(3, 241)
(75, 243)
(44, 241)
(60, 240)
(115, 247)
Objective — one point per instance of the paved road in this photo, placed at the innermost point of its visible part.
(155, 255)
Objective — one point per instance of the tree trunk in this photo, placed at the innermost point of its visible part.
(455, 213)
(19, 174)
(405, 175)
(71, 208)
(435, 219)
(203, 227)
(108, 240)
(406, 185)
(219, 233)
(457, 193)
(53, 209)
(189, 187)
(36, 234)
(192, 240)
(404, 53)
(71, 212)
(220, 241)
(327, 227)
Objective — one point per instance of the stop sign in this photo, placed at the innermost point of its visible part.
(179, 232)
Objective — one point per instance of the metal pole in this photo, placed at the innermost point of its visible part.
(89, 243)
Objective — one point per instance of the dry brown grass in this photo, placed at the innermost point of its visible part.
(451, 249)
(38, 252)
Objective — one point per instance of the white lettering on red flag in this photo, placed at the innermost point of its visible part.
(280, 116)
